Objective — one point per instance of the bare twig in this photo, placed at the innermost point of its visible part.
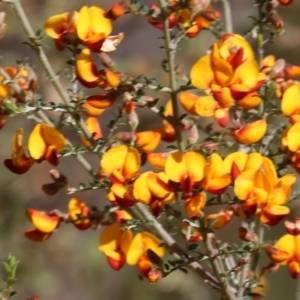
(170, 51)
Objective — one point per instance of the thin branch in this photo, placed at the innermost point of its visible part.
(173, 246)
(227, 16)
(223, 281)
(83, 162)
(170, 51)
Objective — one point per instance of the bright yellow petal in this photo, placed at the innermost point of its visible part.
(113, 159)
(132, 163)
(135, 250)
(290, 103)
(141, 191)
(110, 238)
(36, 144)
(55, 25)
(202, 73)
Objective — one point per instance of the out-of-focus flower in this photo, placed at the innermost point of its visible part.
(153, 189)
(60, 182)
(117, 10)
(96, 104)
(121, 163)
(215, 180)
(46, 142)
(219, 220)
(93, 27)
(90, 77)
(62, 29)
(237, 162)
(264, 193)
(20, 161)
(79, 213)
(193, 16)
(291, 137)
(250, 133)
(290, 140)
(137, 251)
(204, 106)
(114, 244)
(230, 73)
(276, 20)
(44, 224)
(94, 128)
(287, 251)
(195, 205)
(281, 72)
(186, 169)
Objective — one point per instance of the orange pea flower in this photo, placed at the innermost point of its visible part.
(287, 249)
(45, 142)
(290, 104)
(264, 193)
(94, 128)
(215, 180)
(61, 28)
(96, 104)
(204, 106)
(194, 206)
(117, 10)
(20, 162)
(121, 163)
(153, 189)
(114, 244)
(250, 133)
(230, 73)
(79, 212)
(285, 2)
(121, 195)
(137, 251)
(93, 27)
(220, 219)
(237, 162)
(44, 224)
(186, 169)
(90, 77)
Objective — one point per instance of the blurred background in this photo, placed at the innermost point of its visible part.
(69, 265)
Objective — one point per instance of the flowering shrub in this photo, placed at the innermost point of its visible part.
(244, 163)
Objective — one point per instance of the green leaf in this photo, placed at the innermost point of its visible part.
(192, 247)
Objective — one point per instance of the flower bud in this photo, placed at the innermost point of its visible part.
(193, 135)
(276, 21)
(247, 235)
(154, 275)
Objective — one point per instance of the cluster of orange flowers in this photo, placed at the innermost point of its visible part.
(227, 79)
